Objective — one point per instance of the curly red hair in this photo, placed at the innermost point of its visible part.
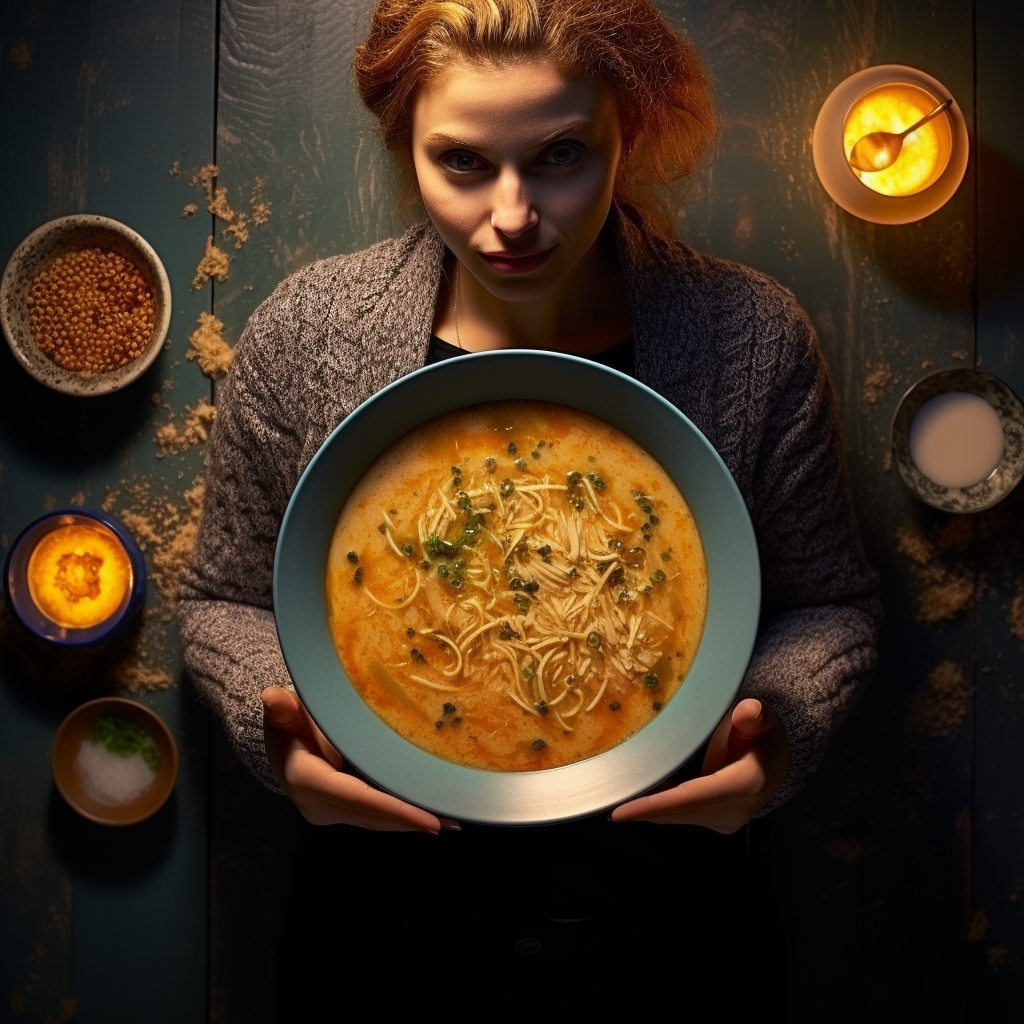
(663, 92)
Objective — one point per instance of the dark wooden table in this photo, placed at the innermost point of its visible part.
(899, 870)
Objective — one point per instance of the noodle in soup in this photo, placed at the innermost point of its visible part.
(516, 585)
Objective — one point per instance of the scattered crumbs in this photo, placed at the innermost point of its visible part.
(208, 347)
(237, 221)
(977, 927)
(174, 171)
(998, 956)
(261, 210)
(77, 500)
(189, 210)
(962, 354)
(1016, 616)
(20, 53)
(875, 383)
(912, 543)
(192, 430)
(215, 263)
(238, 229)
(939, 706)
(109, 502)
(887, 460)
(927, 364)
(849, 851)
(216, 195)
(942, 594)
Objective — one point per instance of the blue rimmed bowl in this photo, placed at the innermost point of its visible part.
(549, 795)
(16, 588)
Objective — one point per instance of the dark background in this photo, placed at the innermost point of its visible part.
(899, 870)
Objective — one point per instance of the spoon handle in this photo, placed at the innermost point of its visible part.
(927, 117)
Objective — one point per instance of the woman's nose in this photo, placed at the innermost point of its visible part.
(513, 211)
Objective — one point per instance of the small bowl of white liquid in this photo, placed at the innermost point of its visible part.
(958, 439)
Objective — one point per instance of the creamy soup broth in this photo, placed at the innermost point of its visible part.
(516, 586)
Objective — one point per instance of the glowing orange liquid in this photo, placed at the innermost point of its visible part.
(78, 575)
(926, 151)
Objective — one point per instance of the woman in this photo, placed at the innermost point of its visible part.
(536, 133)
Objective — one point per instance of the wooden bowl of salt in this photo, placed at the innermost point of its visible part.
(114, 761)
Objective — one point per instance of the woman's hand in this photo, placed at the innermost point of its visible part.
(309, 768)
(746, 761)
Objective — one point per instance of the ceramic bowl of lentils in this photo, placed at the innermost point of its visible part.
(85, 304)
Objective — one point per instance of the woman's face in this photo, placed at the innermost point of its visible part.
(516, 167)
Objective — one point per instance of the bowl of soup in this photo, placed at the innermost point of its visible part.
(516, 588)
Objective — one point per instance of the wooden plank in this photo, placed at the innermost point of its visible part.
(998, 825)
(101, 112)
(876, 840)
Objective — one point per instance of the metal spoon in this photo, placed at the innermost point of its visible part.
(878, 150)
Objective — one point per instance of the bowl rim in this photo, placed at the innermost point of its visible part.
(554, 794)
(1003, 479)
(71, 382)
(147, 803)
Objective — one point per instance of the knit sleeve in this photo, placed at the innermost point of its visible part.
(817, 644)
(228, 635)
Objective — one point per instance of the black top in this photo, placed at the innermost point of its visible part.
(618, 357)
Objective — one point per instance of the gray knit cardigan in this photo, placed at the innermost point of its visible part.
(728, 346)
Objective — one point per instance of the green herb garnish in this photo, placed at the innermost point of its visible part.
(124, 738)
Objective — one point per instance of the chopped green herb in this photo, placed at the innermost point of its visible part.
(528, 672)
(458, 582)
(506, 488)
(357, 576)
(439, 724)
(442, 571)
(615, 706)
(456, 470)
(464, 502)
(658, 575)
(448, 708)
(541, 443)
(651, 681)
(535, 454)
(654, 519)
(520, 464)
(408, 549)
(382, 528)
(457, 720)
(490, 464)
(591, 458)
(666, 556)
(545, 552)
(538, 744)
(522, 603)
(511, 449)
(425, 565)
(410, 632)
(123, 737)
(594, 640)
(417, 655)
(352, 557)
(656, 705)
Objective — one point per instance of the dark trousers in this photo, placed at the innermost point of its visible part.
(491, 925)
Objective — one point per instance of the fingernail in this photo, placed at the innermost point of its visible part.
(453, 827)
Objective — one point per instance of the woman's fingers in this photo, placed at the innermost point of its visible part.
(746, 761)
(724, 801)
(309, 769)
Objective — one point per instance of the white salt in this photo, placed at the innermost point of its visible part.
(956, 439)
(113, 778)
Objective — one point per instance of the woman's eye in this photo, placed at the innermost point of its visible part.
(462, 162)
(562, 154)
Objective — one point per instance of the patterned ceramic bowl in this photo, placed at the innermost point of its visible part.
(57, 239)
(1010, 412)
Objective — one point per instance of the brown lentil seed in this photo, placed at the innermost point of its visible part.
(91, 311)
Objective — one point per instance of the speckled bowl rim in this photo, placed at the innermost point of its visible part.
(555, 794)
(1003, 479)
(76, 726)
(54, 238)
(836, 175)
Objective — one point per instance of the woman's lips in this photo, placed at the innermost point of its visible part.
(513, 263)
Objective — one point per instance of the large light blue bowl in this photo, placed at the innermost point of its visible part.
(554, 794)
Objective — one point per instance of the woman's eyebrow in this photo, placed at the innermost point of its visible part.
(451, 140)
